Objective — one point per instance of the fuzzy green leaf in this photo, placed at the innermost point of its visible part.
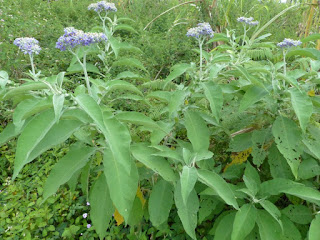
(188, 179)
(217, 183)
(160, 202)
(75, 159)
(244, 222)
(197, 131)
(101, 206)
(288, 139)
(32, 134)
(314, 230)
(302, 106)
(214, 95)
(187, 212)
(122, 186)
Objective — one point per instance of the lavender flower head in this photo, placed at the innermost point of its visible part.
(248, 21)
(28, 45)
(202, 29)
(287, 42)
(73, 38)
(88, 225)
(102, 6)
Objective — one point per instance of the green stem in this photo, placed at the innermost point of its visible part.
(32, 65)
(84, 66)
(200, 47)
(244, 34)
(285, 63)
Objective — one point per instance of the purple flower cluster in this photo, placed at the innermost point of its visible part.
(73, 38)
(287, 42)
(102, 6)
(28, 45)
(202, 29)
(248, 21)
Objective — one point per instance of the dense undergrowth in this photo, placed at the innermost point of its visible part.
(153, 134)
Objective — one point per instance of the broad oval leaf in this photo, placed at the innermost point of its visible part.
(116, 134)
(129, 62)
(75, 159)
(138, 118)
(57, 134)
(302, 106)
(122, 185)
(187, 212)
(298, 213)
(244, 222)
(122, 85)
(252, 95)
(144, 154)
(160, 202)
(188, 179)
(101, 206)
(177, 70)
(314, 230)
(268, 227)
(217, 183)
(197, 131)
(288, 139)
(25, 88)
(214, 95)
(32, 134)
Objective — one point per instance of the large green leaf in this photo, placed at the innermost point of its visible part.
(309, 168)
(29, 107)
(160, 202)
(4, 78)
(260, 138)
(305, 52)
(122, 186)
(279, 167)
(312, 37)
(176, 101)
(32, 134)
(8, 133)
(288, 139)
(251, 179)
(129, 62)
(272, 210)
(124, 27)
(57, 134)
(280, 185)
(188, 179)
(138, 118)
(122, 85)
(314, 230)
(101, 207)
(75, 159)
(177, 71)
(252, 95)
(197, 131)
(298, 213)
(214, 95)
(217, 183)
(116, 134)
(223, 229)
(187, 212)
(244, 222)
(290, 231)
(268, 227)
(144, 154)
(312, 140)
(302, 106)
(25, 88)
(58, 101)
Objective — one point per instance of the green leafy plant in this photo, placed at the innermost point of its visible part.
(175, 148)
